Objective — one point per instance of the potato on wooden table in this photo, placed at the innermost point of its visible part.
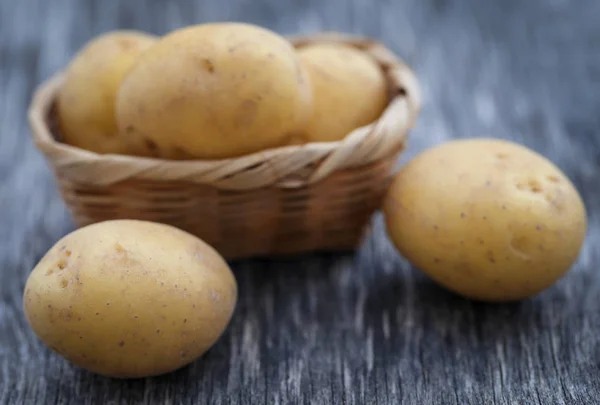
(129, 298)
(487, 219)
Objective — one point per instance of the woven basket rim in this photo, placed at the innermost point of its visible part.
(288, 166)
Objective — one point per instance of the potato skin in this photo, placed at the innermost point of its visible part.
(86, 99)
(349, 90)
(488, 219)
(129, 298)
(214, 91)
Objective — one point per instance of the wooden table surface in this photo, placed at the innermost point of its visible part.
(355, 328)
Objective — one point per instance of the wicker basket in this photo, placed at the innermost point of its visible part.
(313, 197)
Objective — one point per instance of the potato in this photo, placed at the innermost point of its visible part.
(349, 90)
(86, 99)
(128, 298)
(214, 91)
(488, 219)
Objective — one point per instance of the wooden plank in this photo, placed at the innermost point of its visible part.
(328, 329)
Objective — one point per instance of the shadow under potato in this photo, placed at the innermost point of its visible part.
(329, 289)
(322, 311)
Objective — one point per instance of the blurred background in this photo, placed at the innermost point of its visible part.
(523, 70)
(505, 68)
(527, 70)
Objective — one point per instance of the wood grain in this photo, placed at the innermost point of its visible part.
(332, 329)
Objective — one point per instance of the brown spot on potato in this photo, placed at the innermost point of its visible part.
(552, 179)
(151, 145)
(129, 129)
(61, 264)
(501, 156)
(490, 256)
(64, 283)
(208, 65)
(535, 186)
(121, 343)
(49, 272)
(126, 43)
(68, 253)
(119, 248)
(65, 314)
(462, 215)
(531, 185)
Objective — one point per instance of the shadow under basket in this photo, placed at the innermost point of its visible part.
(289, 200)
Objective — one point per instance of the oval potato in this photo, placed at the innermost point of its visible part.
(214, 91)
(129, 298)
(86, 98)
(487, 219)
(349, 90)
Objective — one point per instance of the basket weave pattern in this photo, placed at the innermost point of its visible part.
(318, 196)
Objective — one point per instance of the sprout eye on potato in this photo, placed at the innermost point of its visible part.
(487, 219)
(130, 298)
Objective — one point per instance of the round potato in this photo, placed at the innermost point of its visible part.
(129, 298)
(86, 99)
(349, 90)
(487, 219)
(214, 91)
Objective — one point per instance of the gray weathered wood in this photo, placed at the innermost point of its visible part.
(331, 329)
